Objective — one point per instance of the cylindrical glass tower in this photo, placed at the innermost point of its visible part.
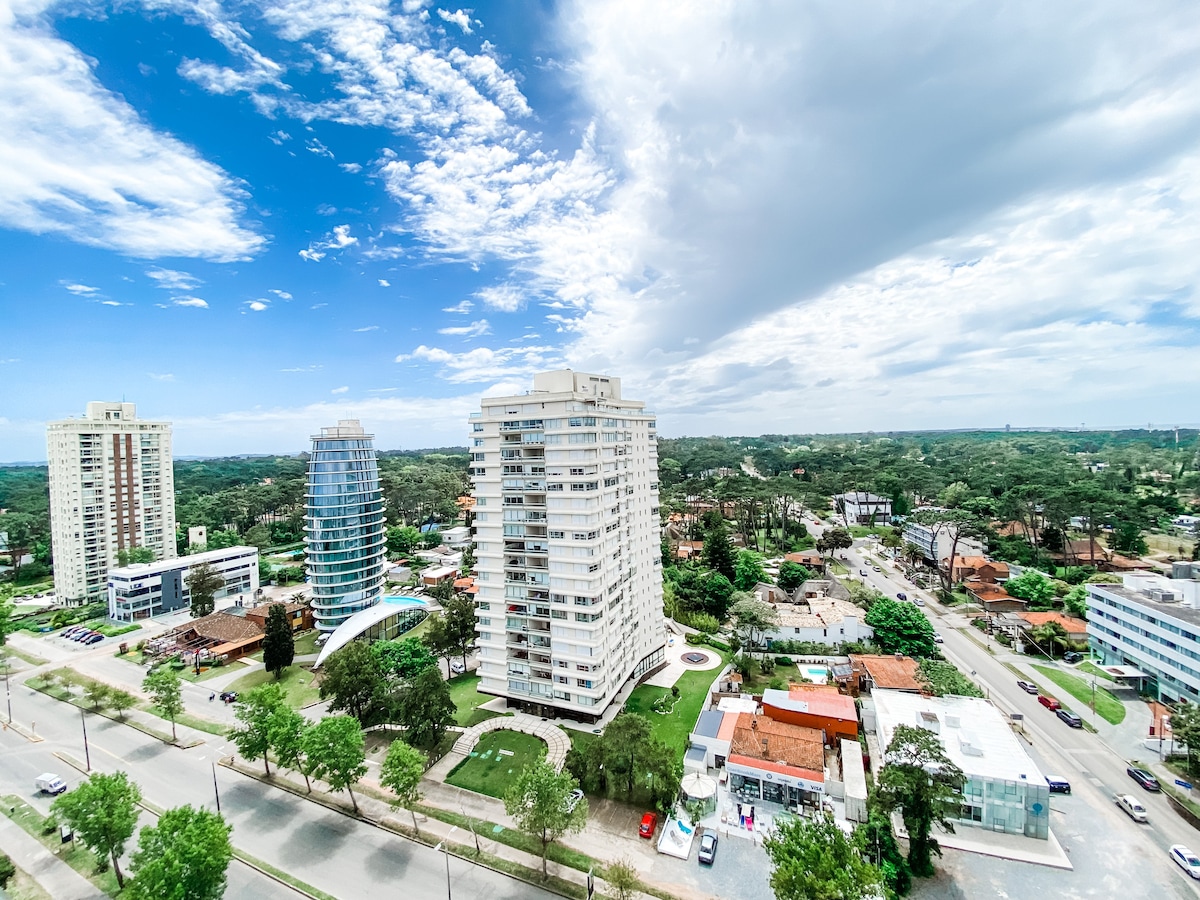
(344, 525)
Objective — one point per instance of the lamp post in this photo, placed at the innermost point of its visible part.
(7, 688)
(87, 756)
(216, 791)
(444, 847)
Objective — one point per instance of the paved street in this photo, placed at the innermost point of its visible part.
(338, 855)
(1104, 845)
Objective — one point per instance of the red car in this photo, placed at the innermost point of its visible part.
(649, 823)
(1048, 702)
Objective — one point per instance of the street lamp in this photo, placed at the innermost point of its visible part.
(87, 756)
(444, 847)
(7, 688)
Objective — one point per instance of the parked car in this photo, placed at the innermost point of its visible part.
(1144, 778)
(94, 638)
(456, 668)
(877, 569)
(573, 799)
(708, 848)
(229, 696)
(938, 639)
(1069, 717)
(49, 783)
(1131, 807)
(81, 634)
(902, 596)
(649, 823)
(73, 630)
(1058, 784)
(862, 573)
(1187, 860)
(1072, 656)
(919, 602)
(1027, 687)
(1049, 702)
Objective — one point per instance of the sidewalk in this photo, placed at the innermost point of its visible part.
(58, 879)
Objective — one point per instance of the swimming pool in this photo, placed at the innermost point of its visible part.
(815, 674)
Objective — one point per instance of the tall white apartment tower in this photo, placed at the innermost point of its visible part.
(567, 545)
(112, 488)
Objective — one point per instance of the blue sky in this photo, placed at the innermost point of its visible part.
(254, 219)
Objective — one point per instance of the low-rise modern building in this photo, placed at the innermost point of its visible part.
(863, 508)
(144, 590)
(936, 541)
(1152, 623)
(1004, 790)
(393, 617)
(817, 706)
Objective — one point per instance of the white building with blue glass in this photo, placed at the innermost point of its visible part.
(344, 524)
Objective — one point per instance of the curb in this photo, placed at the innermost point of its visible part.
(20, 729)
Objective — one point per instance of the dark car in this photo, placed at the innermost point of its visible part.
(1027, 687)
(94, 638)
(1069, 717)
(708, 848)
(1058, 784)
(229, 696)
(649, 823)
(1144, 778)
(902, 596)
(1072, 657)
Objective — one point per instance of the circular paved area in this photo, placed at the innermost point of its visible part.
(695, 658)
(557, 742)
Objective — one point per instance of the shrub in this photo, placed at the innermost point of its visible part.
(694, 639)
(7, 870)
(784, 661)
(777, 684)
(767, 665)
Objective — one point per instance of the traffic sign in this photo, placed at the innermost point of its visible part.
(1186, 785)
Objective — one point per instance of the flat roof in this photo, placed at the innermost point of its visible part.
(709, 724)
(1175, 610)
(134, 571)
(816, 700)
(976, 736)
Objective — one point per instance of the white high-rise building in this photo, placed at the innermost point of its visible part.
(567, 544)
(112, 488)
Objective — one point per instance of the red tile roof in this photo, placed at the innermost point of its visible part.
(1070, 624)
(888, 671)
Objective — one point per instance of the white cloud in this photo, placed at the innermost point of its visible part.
(352, 168)
(161, 377)
(297, 369)
(114, 303)
(278, 137)
(172, 279)
(315, 146)
(340, 390)
(79, 162)
(485, 364)
(80, 290)
(257, 305)
(383, 282)
(338, 239)
(461, 308)
(367, 328)
(504, 297)
(460, 17)
(190, 301)
(475, 329)
(282, 295)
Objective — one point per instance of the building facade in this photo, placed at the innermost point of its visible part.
(567, 544)
(145, 590)
(936, 541)
(112, 489)
(344, 524)
(863, 508)
(1152, 623)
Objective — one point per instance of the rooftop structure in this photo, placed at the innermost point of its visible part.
(821, 707)
(392, 617)
(863, 508)
(894, 672)
(143, 590)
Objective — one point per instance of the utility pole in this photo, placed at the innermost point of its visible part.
(7, 689)
(87, 756)
(216, 791)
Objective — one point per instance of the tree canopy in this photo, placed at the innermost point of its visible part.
(103, 812)
(813, 859)
(901, 628)
(279, 645)
(184, 857)
(539, 802)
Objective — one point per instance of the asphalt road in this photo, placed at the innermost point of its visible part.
(1096, 772)
(338, 855)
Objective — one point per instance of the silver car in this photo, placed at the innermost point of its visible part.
(1131, 807)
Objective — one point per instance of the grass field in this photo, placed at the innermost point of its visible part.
(1094, 670)
(1107, 706)
(496, 762)
(299, 685)
(81, 860)
(673, 729)
(467, 700)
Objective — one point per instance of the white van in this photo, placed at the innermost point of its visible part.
(49, 783)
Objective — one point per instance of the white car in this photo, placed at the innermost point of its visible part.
(1187, 860)
(1132, 808)
(938, 639)
(456, 668)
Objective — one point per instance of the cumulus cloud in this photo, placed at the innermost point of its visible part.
(340, 390)
(81, 163)
(383, 282)
(461, 308)
(338, 239)
(282, 295)
(504, 297)
(485, 364)
(352, 168)
(367, 328)
(257, 305)
(460, 17)
(475, 329)
(316, 147)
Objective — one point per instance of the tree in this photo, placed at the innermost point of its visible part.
(876, 841)
(920, 780)
(203, 582)
(401, 773)
(97, 694)
(622, 877)
(103, 813)
(753, 619)
(1033, 587)
(813, 859)
(539, 803)
(279, 645)
(626, 739)
(1127, 538)
(166, 692)
(403, 660)
(285, 736)
(956, 524)
(941, 678)
(459, 613)
(718, 550)
(715, 593)
(256, 712)
(834, 539)
(468, 559)
(335, 752)
(20, 532)
(748, 571)
(425, 709)
(901, 628)
(1185, 728)
(121, 702)
(402, 541)
(135, 555)
(353, 681)
(1048, 635)
(185, 857)
(791, 576)
(1075, 601)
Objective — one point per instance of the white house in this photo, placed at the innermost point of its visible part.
(863, 508)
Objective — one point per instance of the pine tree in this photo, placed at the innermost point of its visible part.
(279, 647)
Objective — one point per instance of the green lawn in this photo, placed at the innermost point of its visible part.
(306, 643)
(81, 860)
(674, 727)
(1094, 670)
(1107, 706)
(496, 762)
(299, 685)
(467, 700)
